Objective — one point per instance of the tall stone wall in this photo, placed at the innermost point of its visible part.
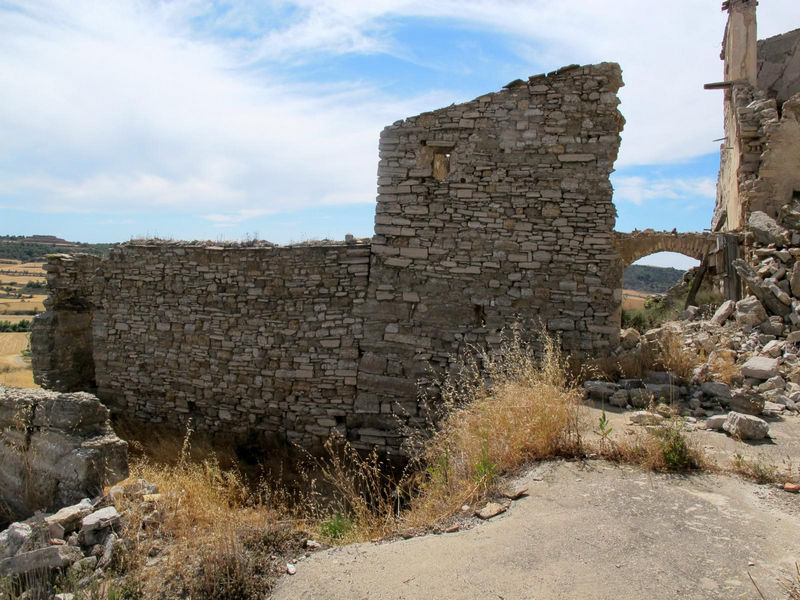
(758, 160)
(488, 212)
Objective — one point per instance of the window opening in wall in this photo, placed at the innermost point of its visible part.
(441, 165)
(796, 196)
(480, 315)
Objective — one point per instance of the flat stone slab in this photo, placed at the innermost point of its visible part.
(746, 427)
(44, 559)
(760, 367)
(596, 532)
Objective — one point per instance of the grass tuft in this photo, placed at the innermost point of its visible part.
(501, 410)
(664, 448)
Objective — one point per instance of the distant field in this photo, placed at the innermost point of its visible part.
(15, 318)
(16, 301)
(631, 300)
(15, 369)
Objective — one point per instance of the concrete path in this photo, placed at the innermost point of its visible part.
(589, 530)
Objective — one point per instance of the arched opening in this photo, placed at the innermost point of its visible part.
(659, 286)
(653, 274)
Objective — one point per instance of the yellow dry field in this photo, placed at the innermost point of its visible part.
(18, 280)
(22, 305)
(15, 369)
(632, 300)
(31, 267)
(15, 318)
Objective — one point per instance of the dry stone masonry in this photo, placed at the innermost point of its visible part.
(488, 212)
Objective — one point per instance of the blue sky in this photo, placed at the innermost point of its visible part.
(196, 119)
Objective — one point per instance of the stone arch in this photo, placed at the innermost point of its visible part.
(638, 244)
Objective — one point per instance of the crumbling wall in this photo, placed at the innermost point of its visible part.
(758, 169)
(779, 66)
(758, 160)
(55, 449)
(488, 212)
(62, 339)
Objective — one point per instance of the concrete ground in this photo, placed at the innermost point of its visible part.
(592, 530)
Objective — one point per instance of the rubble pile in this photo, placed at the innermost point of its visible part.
(747, 351)
(82, 541)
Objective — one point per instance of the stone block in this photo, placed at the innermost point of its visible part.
(745, 427)
(760, 367)
(42, 560)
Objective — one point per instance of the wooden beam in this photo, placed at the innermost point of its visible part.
(719, 85)
(698, 280)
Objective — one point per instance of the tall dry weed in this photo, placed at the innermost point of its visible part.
(210, 533)
(502, 409)
(674, 356)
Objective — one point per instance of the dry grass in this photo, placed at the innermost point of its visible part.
(26, 306)
(30, 267)
(673, 356)
(662, 448)
(630, 365)
(15, 318)
(208, 534)
(666, 353)
(633, 300)
(762, 471)
(723, 365)
(502, 410)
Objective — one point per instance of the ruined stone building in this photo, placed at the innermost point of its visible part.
(488, 212)
(760, 157)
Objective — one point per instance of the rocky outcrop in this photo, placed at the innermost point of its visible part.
(56, 449)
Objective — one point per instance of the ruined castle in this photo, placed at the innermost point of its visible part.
(489, 212)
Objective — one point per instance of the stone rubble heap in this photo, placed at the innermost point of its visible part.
(753, 343)
(81, 541)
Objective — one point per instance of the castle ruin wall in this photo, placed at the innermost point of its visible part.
(489, 212)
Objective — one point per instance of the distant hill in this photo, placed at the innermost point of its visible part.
(656, 280)
(36, 247)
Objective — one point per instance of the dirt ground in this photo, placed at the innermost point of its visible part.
(593, 530)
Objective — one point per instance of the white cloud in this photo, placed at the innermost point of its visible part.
(668, 259)
(641, 189)
(138, 105)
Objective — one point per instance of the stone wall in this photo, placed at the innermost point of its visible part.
(779, 66)
(238, 339)
(758, 169)
(488, 212)
(62, 342)
(758, 160)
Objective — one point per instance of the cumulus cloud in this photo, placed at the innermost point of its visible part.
(639, 189)
(193, 105)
